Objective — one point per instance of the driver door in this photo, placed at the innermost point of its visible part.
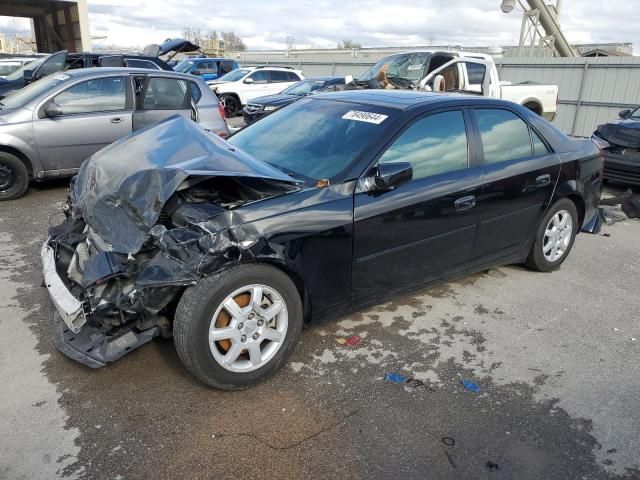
(55, 63)
(424, 229)
(257, 86)
(453, 74)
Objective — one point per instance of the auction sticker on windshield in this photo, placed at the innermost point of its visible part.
(368, 117)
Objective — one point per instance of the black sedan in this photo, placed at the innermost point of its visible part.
(622, 147)
(336, 201)
(261, 106)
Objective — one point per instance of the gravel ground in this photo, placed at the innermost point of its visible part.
(554, 357)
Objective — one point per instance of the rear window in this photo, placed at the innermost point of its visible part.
(314, 139)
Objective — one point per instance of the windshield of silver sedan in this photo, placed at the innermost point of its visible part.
(313, 140)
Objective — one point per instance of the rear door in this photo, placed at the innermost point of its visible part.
(158, 98)
(95, 113)
(279, 80)
(424, 229)
(520, 173)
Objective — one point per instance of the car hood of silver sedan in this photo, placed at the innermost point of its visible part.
(121, 190)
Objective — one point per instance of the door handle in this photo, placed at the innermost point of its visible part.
(465, 203)
(116, 120)
(543, 180)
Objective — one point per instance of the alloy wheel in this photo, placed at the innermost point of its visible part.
(248, 328)
(557, 236)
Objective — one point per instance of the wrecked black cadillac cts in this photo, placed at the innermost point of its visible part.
(356, 196)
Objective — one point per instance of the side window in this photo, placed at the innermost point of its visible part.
(53, 64)
(260, 76)
(475, 72)
(225, 67)
(196, 94)
(206, 67)
(279, 76)
(434, 144)
(504, 135)
(167, 94)
(539, 148)
(293, 77)
(97, 95)
(138, 63)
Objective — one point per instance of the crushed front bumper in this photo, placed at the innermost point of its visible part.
(73, 336)
(71, 309)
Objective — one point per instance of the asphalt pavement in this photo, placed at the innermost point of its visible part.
(554, 357)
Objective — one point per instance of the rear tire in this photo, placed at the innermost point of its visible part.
(228, 337)
(231, 105)
(14, 177)
(554, 237)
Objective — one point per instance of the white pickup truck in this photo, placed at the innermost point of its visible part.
(455, 71)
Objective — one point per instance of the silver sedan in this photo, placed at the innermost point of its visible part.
(50, 127)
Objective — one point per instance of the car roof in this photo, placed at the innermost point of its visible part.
(404, 99)
(97, 71)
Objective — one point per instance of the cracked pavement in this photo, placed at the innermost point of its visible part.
(552, 354)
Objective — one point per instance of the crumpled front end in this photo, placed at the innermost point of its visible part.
(130, 244)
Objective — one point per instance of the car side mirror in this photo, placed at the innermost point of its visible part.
(248, 80)
(390, 175)
(28, 76)
(196, 72)
(53, 110)
(623, 113)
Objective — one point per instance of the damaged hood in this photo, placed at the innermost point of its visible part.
(625, 133)
(121, 190)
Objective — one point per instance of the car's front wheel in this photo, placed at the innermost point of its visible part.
(14, 177)
(554, 237)
(238, 327)
(231, 105)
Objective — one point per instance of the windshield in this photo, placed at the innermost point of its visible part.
(304, 87)
(7, 67)
(234, 75)
(184, 66)
(23, 96)
(29, 66)
(313, 140)
(410, 66)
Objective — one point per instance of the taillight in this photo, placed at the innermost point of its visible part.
(221, 110)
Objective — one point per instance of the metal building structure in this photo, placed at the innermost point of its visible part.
(57, 24)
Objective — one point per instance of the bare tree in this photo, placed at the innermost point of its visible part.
(349, 44)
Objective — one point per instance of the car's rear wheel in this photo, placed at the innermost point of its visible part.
(238, 327)
(14, 177)
(231, 105)
(555, 237)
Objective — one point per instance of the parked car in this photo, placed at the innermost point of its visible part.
(206, 68)
(261, 106)
(50, 127)
(236, 88)
(620, 141)
(336, 201)
(11, 64)
(63, 61)
(456, 71)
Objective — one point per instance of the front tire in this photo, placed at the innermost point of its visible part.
(14, 177)
(555, 237)
(237, 328)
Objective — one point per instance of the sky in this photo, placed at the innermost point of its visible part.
(265, 24)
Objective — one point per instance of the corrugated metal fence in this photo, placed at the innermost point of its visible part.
(591, 90)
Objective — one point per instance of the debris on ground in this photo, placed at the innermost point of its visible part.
(469, 385)
(395, 378)
(448, 441)
(352, 341)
